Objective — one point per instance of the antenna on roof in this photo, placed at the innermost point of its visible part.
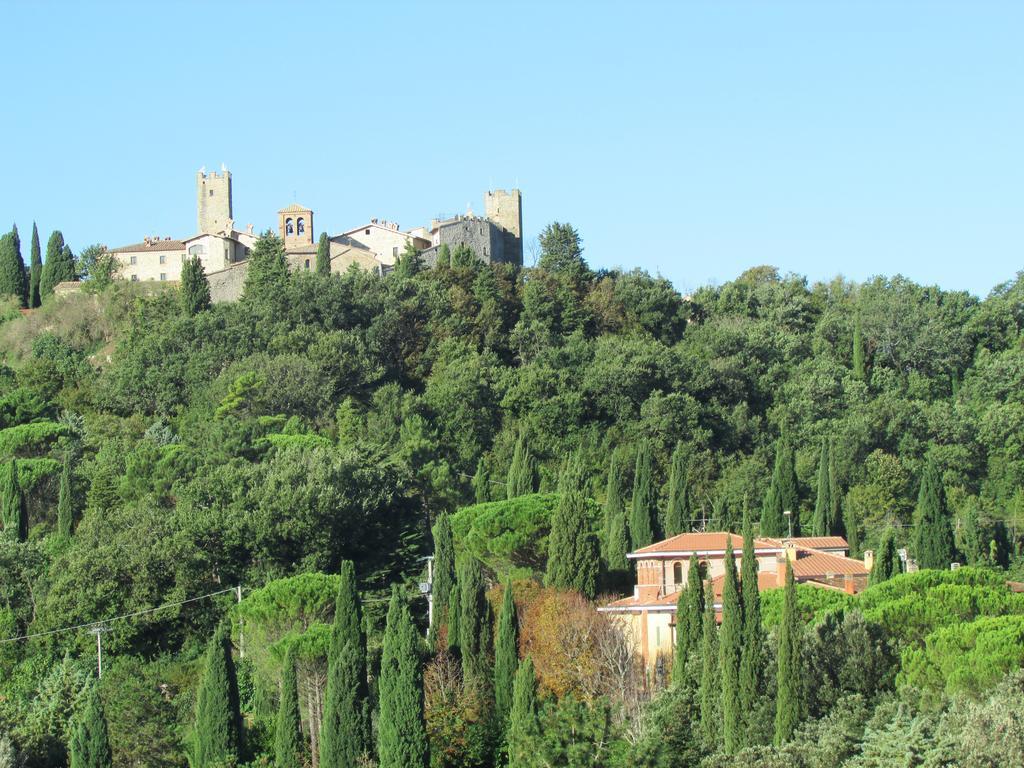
(223, 168)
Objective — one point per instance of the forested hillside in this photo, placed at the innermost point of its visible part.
(308, 443)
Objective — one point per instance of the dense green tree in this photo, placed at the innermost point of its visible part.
(323, 255)
(730, 650)
(789, 700)
(752, 659)
(59, 265)
(933, 533)
(288, 740)
(90, 745)
(689, 622)
(454, 613)
(12, 268)
(443, 575)
(522, 470)
(859, 367)
(523, 724)
(886, 563)
(822, 524)
(35, 269)
(709, 693)
(644, 509)
(677, 518)
(65, 510)
(573, 560)
(782, 494)
(409, 261)
(267, 273)
(218, 724)
(562, 252)
(481, 482)
(401, 731)
(506, 656)
(613, 505)
(195, 288)
(12, 499)
(345, 734)
(474, 624)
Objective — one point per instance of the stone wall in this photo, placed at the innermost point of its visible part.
(485, 238)
(227, 284)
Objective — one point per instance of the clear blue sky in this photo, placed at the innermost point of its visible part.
(693, 139)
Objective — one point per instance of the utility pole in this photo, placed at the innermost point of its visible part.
(99, 630)
(427, 588)
(241, 625)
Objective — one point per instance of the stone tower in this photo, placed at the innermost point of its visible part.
(213, 201)
(295, 223)
(506, 210)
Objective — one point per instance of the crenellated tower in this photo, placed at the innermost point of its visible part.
(213, 201)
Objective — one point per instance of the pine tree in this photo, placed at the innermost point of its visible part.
(641, 527)
(689, 621)
(267, 273)
(15, 517)
(323, 255)
(823, 504)
(474, 624)
(195, 288)
(218, 731)
(35, 270)
(481, 482)
(677, 518)
(751, 662)
(613, 506)
(58, 267)
(523, 724)
(401, 731)
(886, 563)
(288, 741)
(730, 650)
(933, 534)
(789, 706)
(12, 268)
(506, 656)
(90, 746)
(443, 575)
(65, 513)
(859, 368)
(708, 694)
(573, 561)
(345, 733)
(521, 471)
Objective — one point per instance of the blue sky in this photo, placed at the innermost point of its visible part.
(693, 139)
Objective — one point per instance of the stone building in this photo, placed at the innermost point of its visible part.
(496, 238)
(387, 240)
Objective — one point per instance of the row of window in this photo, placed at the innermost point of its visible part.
(135, 278)
(293, 227)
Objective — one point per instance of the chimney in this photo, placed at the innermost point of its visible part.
(248, 229)
(780, 570)
(790, 550)
(848, 586)
(869, 558)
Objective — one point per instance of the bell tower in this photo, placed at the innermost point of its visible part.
(213, 201)
(295, 223)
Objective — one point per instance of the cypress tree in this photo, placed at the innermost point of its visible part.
(677, 518)
(836, 523)
(323, 255)
(618, 546)
(613, 506)
(782, 494)
(751, 661)
(481, 482)
(886, 564)
(708, 693)
(345, 733)
(444, 574)
(195, 288)
(521, 471)
(689, 621)
(773, 522)
(730, 650)
(401, 731)
(218, 731)
(35, 270)
(12, 269)
(506, 656)
(523, 724)
(454, 610)
(933, 534)
(15, 516)
(851, 527)
(90, 746)
(65, 513)
(58, 267)
(641, 527)
(859, 368)
(288, 741)
(823, 503)
(789, 678)
(573, 561)
(474, 623)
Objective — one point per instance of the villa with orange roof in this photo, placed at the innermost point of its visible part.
(662, 569)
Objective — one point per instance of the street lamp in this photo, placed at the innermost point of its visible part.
(789, 516)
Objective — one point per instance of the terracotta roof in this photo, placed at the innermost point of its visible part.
(765, 580)
(151, 245)
(814, 542)
(702, 542)
(295, 208)
(822, 563)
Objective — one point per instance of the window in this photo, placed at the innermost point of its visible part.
(197, 250)
(394, 251)
(135, 278)
(163, 276)
(367, 231)
(163, 258)
(307, 265)
(211, 193)
(677, 573)
(289, 227)
(133, 260)
(300, 226)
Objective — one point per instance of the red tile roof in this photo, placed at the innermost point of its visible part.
(814, 542)
(702, 542)
(812, 564)
(151, 245)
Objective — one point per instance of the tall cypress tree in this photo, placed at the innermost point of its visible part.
(345, 733)
(689, 621)
(195, 288)
(444, 574)
(481, 482)
(12, 268)
(506, 656)
(677, 518)
(851, 528)
(521, 471)
(35, 270)
(218, 731)
(613, 506)
(15, 517)
(782, 494)
(90, 746)
(523, 725)
(886, 563)
(401, 731)
(730, 650)
(641, 526)
(836, 523)
(933, 534)
(453, 614)
(821, 525)
(751, 661)
(65, 512)
(789, 703)
(59, 265)
(859, 367)
(288, 741)
(709, 695)
(474, 623)
(573, 561)
(323, 255)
